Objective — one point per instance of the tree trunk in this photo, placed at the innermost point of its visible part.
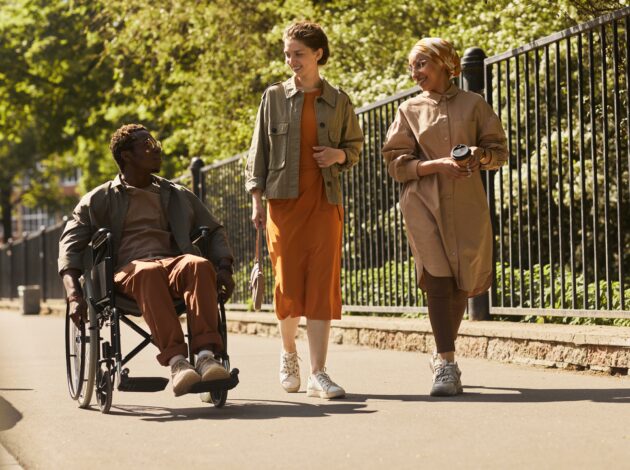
(5, 205)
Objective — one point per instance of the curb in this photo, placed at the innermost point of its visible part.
(574, 347)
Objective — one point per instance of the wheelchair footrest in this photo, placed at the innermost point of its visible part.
(217, 385)
(142, 384)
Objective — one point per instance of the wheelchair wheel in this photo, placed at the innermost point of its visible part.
(75, 356)
(90, 359)
(104, 389)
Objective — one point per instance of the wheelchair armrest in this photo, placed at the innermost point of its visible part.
(101, 245)
(101, 236)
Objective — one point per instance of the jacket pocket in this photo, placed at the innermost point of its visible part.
(278, 143)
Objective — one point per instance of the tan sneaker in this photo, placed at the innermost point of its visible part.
(210, 369)
(289, 371)
(183, 376)
(320, 385)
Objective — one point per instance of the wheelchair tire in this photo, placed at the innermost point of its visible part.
(75, 356)
(219, 398)
(104, 389)
(91, 359)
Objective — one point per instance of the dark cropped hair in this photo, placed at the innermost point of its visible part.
(312, 35)
(122, 139)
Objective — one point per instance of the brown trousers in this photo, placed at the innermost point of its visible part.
(155, 283)
(446, 309)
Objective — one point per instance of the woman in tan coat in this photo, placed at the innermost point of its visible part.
(306, 133)
(442, 200)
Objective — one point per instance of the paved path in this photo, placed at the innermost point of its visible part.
(510, 416)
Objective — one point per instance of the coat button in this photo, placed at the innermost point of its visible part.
(273, 129)
(321, 124)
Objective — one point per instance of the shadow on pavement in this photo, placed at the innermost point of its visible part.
(513, 395)
(242, 409)
(9, 416)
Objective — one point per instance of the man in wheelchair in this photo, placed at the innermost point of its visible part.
(151, 220)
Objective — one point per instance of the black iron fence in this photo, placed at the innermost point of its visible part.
(563, 204)
(560, 208)
(32, 260)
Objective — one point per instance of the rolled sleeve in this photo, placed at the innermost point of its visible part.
(219, 247)
(75, 238)
(492, 138)
(351, 138)
(258, 155)
(400, 150)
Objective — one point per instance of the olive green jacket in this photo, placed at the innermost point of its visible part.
(273, 161)
(106, 207)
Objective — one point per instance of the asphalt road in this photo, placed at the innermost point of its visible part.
(510, 416)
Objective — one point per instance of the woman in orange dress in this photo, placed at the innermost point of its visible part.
(306, 133)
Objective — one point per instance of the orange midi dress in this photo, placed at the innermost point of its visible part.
(304, 238)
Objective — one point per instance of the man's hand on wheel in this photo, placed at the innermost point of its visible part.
(225, 283)
(78, 310)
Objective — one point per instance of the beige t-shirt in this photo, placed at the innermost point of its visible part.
(146, 234)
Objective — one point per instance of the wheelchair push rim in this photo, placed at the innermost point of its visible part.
(75, 340)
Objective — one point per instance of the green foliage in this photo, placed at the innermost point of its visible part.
(556, 289)
(73, 71)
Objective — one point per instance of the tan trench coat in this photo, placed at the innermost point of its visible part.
(447, 221)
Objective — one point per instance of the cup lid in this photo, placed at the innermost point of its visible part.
(460, 151)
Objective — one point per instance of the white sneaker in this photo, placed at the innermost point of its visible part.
(320, 385)
(289, 372)
(446, 378)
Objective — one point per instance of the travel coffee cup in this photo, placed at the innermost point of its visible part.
(461, 154)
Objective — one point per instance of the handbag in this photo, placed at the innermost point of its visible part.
(257, 278)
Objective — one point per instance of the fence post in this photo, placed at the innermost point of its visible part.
(43, 261)
(11, 268)
(25, 258)
(198, 182)
(473, 79)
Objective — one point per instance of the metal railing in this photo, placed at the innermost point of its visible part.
(32, 260)
(560, 208)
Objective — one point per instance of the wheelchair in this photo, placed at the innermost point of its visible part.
(95, 364)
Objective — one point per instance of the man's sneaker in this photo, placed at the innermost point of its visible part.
(183, 376)
(289, 371)
(210, 369)
(446, 378)
(320, 385)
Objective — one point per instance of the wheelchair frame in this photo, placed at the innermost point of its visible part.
(95, 365)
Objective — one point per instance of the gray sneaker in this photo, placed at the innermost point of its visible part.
(446, 378)
(183, 376)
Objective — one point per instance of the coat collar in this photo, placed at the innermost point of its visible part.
(164, 183)
(450, 92)
(329, 94)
